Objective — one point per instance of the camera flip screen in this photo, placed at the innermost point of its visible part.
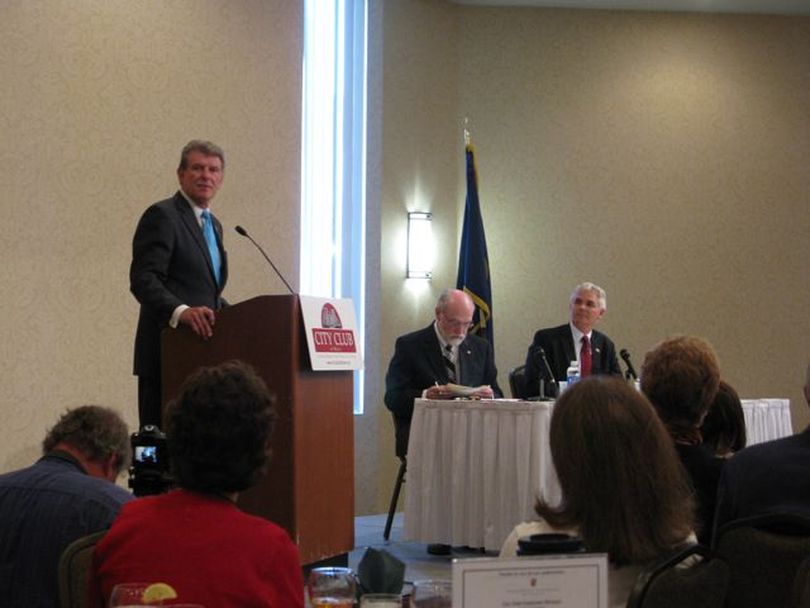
(146, 454)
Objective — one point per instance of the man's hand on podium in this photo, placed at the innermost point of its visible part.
(200, 319)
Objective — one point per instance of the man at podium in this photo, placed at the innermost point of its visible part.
(179, 267)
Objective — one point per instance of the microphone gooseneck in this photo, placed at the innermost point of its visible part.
(245, 234)
(539, 350)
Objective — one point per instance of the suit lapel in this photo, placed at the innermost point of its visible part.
(569, 346)
(597, 345)
(469, 364)
(432, 351)
(190, 222)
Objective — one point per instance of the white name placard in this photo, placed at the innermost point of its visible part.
(331, 329)
(561, 581)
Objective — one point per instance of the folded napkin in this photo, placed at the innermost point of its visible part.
(380, 572)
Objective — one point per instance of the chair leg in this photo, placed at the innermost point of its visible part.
(395, 498)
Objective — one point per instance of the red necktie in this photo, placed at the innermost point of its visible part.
(585, 358)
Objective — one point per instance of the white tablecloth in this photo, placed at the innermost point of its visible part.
(766, 419)
(475, 467)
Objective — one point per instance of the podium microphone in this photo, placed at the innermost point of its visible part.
(631, 372)
(244, 233)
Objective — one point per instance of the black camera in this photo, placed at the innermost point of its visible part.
(149, 473)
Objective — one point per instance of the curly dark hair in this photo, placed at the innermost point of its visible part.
(680, 376)
(97, 432)
(622, 484)
(218, 429)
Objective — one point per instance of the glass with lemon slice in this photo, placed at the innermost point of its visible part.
(127, 595)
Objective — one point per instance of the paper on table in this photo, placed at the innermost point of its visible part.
(462, 391)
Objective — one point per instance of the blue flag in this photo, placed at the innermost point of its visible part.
(473, 261)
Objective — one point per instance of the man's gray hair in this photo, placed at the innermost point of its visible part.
(588, 286)
(97, 432)
(200, 145)
(447, 294)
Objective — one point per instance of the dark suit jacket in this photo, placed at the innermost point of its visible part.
(170, 266)
(770, 477)
(703, 470)
(418, 364)
(558, 342)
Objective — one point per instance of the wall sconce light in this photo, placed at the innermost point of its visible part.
(420, 245)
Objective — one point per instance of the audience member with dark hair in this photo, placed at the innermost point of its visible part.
(769, 477)
(723, 428)
(69, 493)
(195, 538)
(623, 489)
(680, 376)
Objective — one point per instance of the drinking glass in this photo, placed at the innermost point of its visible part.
(381, 600)
(331, 588)
(128, 594)
(432, 594)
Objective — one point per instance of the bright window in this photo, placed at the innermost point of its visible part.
(333, 194)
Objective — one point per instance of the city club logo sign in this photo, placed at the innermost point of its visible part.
(331, 337)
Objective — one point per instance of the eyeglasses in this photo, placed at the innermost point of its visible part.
(455, 324)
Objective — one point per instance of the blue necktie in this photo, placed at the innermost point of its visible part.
(211, 241)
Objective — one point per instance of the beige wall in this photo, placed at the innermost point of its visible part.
(420, 168)
(98, 98)
(676, 144)
(662, 156)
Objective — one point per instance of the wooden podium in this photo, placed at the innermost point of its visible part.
(309, 486)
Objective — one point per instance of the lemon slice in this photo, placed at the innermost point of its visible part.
(157, 592)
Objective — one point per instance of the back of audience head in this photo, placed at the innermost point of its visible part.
(724, 426)
(219, 428)
(622, 484)
(680, 376)
(96, 435)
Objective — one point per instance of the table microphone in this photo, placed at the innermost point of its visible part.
(244, 233)
(631, 372)
(539, 350)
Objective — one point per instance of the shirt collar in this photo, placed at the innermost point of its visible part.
(577, 335)
(198, 211)
(442, 342)
(65, 457)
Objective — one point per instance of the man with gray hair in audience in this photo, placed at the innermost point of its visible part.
(769, 477)
(576, 340)
(68, 493)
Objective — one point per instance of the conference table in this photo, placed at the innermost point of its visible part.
(476, 467)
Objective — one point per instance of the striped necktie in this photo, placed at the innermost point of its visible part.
(211, 241)
(449, 363)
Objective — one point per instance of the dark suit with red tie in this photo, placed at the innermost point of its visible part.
(558, 343)
(418, 364)
(171, 266)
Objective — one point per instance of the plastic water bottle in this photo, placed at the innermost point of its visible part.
(572, 374)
